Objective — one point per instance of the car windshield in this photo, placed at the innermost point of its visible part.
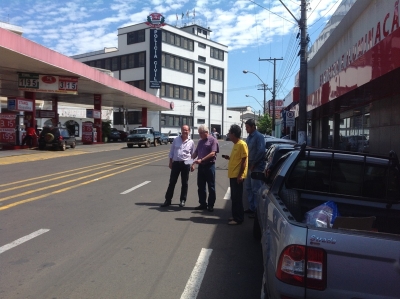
(139, 131)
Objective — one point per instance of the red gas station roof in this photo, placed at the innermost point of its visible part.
(18, 54)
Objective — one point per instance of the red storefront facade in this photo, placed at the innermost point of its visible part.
(353, 73)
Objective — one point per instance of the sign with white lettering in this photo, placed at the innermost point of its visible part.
(290, 120)
(20, 104)
(47, 83)
(155, 58)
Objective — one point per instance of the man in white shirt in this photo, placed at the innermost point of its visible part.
(182, 149)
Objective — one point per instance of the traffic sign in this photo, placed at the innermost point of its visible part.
(290, 119)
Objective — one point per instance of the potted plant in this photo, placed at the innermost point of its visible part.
(106, 129)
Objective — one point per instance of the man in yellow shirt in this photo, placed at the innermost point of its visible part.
(237, 172)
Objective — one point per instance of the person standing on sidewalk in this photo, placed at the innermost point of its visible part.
(256, 145)
(206, 154)
(237, 171)
(182, 149)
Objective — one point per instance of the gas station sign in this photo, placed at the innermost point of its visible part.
(93, 113)
(20, 104)
(47, 83)
(7, 128)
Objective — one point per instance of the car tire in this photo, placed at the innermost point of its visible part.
(131, 145)
(49, 137)
(148, 143)
(73, 144)
(42, 147)
(63, 147)
(139, 145)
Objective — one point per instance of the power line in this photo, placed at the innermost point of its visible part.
(314, 9)
(323, 15)
(273, 12)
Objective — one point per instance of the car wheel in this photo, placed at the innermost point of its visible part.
(42, 147)
(63, 147)
(73, 144)
(139, 145)
(131, 145)
(148, 143)
(49, 137)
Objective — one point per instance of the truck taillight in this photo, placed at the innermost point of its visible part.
(303, 266)
(60, 138)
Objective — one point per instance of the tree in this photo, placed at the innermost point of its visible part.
(264, 124)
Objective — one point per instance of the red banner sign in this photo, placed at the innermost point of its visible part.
(87, 132)
(7, 128)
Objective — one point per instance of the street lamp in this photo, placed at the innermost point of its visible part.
(264, 85)
(256, 100)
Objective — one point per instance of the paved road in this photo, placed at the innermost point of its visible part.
(86, 223)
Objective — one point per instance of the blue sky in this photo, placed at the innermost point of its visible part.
(251, 29)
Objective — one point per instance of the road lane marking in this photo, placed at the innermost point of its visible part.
(23, 240)
(193, 285)
(75, 186)
(71, 181)
(138, 186)
(228, 193)
(57, 175)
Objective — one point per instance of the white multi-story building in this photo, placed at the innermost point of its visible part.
(193, 75)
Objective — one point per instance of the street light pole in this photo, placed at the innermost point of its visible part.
(255, 99)
(273, 92)
(264, 85)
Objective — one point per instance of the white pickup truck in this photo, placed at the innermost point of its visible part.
(358, 257)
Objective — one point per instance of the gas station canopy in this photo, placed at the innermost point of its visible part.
(20, 55)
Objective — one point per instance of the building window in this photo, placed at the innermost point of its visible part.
(124, 62)
(201, 70)
(217, 73)
(216, 53)
(107, 64)
(202, 58)
(135, 37)
(138, 84)
(114, 64)
(176, 63)
(201, 121)
(201, 94)
(99, 64)
(177, 40)
(142, 59)
(201, 108)
(216, 98)
(176, 92)
(201, 45)
(201, 81)
(171, 120)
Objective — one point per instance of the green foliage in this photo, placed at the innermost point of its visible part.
(106, 128)
(264, 124)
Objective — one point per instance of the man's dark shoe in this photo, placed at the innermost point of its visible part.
(182, 204)
(166, 204)
(201, 207)
(210, 209)
(248, 211)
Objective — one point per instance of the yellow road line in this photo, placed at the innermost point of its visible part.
(58, 176)
(72, 187)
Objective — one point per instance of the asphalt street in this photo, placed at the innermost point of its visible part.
(87, 223)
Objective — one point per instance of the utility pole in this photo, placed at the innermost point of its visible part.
(302, 23)
(273, 92)
(302, 128)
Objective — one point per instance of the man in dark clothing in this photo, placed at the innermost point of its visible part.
(206, 151)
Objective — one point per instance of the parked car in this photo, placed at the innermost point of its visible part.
(115, 135)
(141, 136)
(123, 135)
(157, 137)
(274, 153)
(172, 136)
(305, 249)
(163, 138)
(56, 138)
(270, 140)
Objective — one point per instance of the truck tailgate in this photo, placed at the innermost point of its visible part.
(359, 264)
